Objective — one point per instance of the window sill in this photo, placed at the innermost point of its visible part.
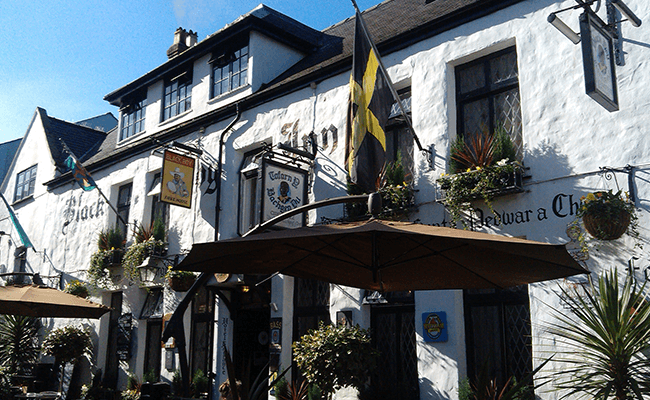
(24, 200)
(174, 118)
(223, 96)
(131, 139)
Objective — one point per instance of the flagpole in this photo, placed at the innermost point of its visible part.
(390, 83)
(66, 148)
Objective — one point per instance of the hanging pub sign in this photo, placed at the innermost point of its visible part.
(284, 189)
(177, 179)
(598, 61)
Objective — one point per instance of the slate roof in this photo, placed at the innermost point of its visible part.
(393, 25)
(7, 153)
(81, 140)
(103, 123)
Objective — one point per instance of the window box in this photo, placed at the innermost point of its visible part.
(499, 182)
(456, 191)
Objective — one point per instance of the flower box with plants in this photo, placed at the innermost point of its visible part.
(180, 281)
(607, 215)
(147, 242)
(77, 288)
(110, 250)
(480, 168)
(397, 195)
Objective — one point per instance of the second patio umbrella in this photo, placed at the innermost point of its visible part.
(43, 301)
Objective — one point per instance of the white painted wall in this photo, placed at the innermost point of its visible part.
(567, 137)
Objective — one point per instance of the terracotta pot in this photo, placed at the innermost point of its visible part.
(181, 284)
(607, 227)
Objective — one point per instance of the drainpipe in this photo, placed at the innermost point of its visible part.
(217, 207)
(174, 327)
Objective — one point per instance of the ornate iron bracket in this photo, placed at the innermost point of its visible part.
(609, 174)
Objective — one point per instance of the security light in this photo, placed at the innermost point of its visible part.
(626, 12)
(564, 28)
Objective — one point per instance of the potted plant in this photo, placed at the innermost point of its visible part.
(146, 242)
(332, 357)
(607, 215)
(67, 344)
(110, 250)
(179, 281)
(481, 167)
(77, 288)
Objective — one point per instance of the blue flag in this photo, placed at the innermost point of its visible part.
(80, 174)
(5, 212)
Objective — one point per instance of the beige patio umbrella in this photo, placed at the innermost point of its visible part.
(43, 301)
(388, 256)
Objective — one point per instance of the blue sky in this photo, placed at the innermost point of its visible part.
(65, 55)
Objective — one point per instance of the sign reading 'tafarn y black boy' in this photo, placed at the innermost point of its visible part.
(284, 190)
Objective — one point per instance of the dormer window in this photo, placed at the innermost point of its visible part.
(133, 119)
(229, 70)
(177, 96)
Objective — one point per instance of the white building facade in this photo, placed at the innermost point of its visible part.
(266, 80)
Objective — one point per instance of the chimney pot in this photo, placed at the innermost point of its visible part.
(182, 41)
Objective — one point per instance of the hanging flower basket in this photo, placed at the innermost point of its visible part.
(181, 282)
(606, 215)
(607, 227)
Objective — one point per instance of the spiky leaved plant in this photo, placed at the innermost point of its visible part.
(603, 335)
(19, 345)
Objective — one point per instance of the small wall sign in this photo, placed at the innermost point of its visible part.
(275, 337)
(434, 326)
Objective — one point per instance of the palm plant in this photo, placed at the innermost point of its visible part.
(19, 345)
(606, 331)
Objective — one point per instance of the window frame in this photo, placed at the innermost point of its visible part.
(176, 96)
(133, 117)
(250, 186)
(489, 91)
(396, 128)
(22, 183)
(226, 61)
(124, 207)
(158, 207)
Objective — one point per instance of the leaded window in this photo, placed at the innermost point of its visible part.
(123, 207)
(177, 96)
(311, 305)
(133, 117)
(229, 71)
(487, 92)
(25, 182)
(399, 138)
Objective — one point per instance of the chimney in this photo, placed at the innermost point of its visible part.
(182, 41)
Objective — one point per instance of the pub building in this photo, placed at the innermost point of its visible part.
(250, 122)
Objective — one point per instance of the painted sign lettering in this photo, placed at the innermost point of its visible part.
(81, 209)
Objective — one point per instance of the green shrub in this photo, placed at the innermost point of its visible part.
(68, 344)
(334, 357)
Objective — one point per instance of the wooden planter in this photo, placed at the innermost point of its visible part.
(181, 284)
(609, 227)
